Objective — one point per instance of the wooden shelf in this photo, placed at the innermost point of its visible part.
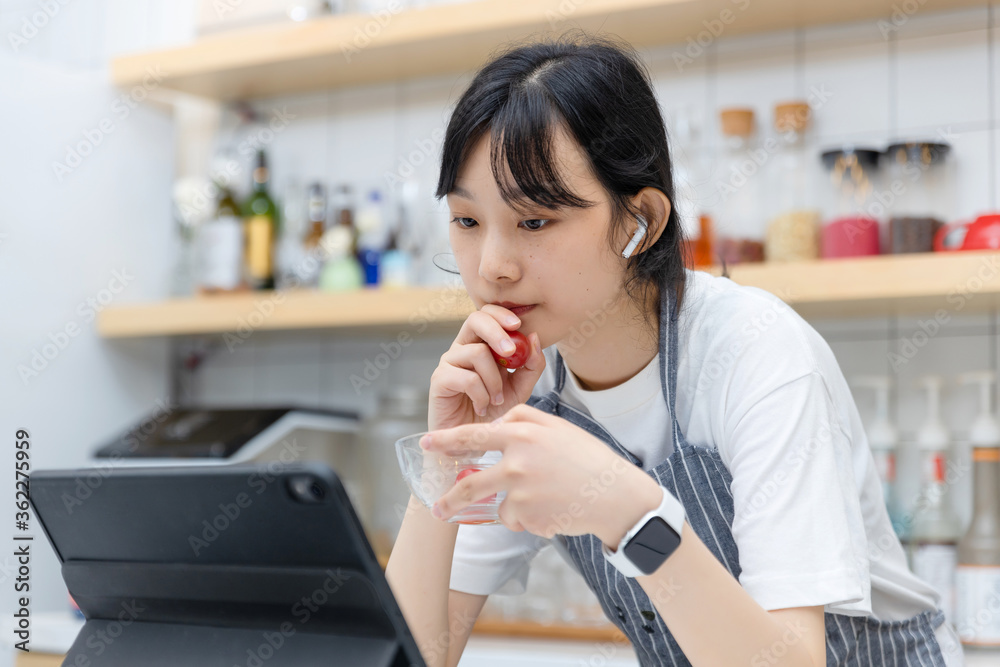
(412, 310)
(327, 52)
(960, 282)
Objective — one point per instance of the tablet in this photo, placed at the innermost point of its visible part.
(252, 565)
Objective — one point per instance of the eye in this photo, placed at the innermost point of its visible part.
(530, 226)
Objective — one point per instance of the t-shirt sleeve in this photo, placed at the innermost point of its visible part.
(798, 522)
(493, 559)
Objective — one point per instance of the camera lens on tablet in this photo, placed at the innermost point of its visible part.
(306, 489)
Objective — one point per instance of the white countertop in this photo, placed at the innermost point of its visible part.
(513, 652)
(55, 632)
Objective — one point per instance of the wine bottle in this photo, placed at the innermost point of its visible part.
(221, 246)
(260, 217)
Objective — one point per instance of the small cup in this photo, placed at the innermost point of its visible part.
(430, 475)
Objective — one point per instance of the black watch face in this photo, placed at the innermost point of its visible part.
(652, 545)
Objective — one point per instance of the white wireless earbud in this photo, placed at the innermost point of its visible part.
(639, 233)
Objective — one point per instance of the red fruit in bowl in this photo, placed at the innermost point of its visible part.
(522, 350)
(465, 473)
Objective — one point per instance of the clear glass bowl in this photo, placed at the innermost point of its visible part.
(431, 474)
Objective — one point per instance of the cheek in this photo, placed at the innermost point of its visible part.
(572, 275)
(466, 254)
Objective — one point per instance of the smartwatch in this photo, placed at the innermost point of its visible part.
(650, 541)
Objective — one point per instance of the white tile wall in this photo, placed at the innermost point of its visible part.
(934, 71)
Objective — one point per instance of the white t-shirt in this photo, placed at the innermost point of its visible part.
(758, 383)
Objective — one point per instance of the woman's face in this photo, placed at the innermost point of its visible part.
(557, 259)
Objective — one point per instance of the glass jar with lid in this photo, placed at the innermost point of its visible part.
(850, 229)
(917, 193)
(402, 411)
(793, 227)
(691, 178)
(740, 221)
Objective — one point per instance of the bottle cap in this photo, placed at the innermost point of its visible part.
(985, 431)
(791, 116)
(737, 122)
(882, 434)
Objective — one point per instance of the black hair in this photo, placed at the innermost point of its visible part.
(598, 89)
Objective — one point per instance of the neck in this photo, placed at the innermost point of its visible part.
(621, 347)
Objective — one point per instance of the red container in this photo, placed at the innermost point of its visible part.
(983, 233)
(850, 237)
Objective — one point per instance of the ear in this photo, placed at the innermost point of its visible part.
(655, 207)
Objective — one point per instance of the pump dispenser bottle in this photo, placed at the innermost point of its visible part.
(978, 576)
(933, 540)
(883, 439)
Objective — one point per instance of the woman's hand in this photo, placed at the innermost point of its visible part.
(468, 378)
(558, 477)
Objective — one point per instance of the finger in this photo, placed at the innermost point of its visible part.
(477, 357)
(504, 316)
(506, 516)
(466, 438)
(473, 488)
(483, 326)
(456, 381)
(523, 413)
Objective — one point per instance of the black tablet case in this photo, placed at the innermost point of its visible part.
(127, 538)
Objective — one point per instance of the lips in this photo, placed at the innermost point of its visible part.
(515, 308)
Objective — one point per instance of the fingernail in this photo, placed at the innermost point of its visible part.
(507, 346)
(498, 399)
(512, 321)
(425, 441)
(481, 412)
(436, 511)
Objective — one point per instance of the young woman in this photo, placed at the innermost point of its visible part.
(688, 444)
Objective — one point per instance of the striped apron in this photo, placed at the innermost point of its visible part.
(699, 479)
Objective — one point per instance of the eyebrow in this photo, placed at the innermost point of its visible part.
(462, 192)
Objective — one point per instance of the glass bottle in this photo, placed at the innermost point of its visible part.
(371, 237)
(341, 270)
(739, 228)
(850, 228)
(917, 194)
(793, 227)
(690, 181)
(343, 212)
(396, 264)
(316, 226)
(290, 253)
(221, 246)
(260, 217)
(191, 210)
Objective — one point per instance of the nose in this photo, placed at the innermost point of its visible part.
(499, 259)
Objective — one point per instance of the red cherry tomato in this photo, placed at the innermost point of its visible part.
(465, 473)
(522, 350)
